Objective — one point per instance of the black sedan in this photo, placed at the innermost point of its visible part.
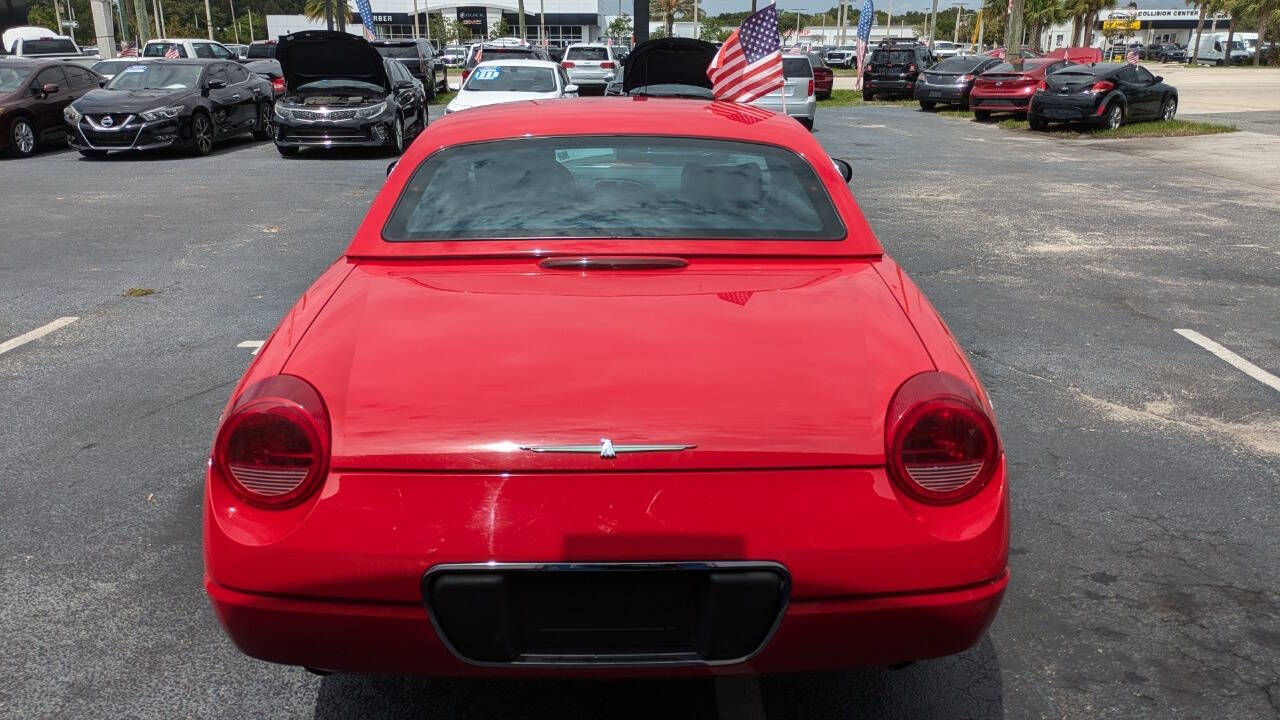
(187, 103)
(340, 92)
(950, 81)
(1105, 94)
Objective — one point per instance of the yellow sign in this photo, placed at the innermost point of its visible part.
(1122, 24)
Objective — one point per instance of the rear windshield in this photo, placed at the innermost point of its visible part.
(159, 49)
(586, 53)
(958, 64)
(397, 51)
(796, 67)
(512, 78)
(48, 46)
(501, 53)
(639, 187)
(893, 57)
(262, 50)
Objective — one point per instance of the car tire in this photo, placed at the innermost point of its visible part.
(1038, 123)
(982, 115)
(23, 138)
(927, 105)
(806, 122)
(395, 139)
(1168, 109)
(201, 130)
(867, 96)
(93, 153)
(288, 150)
(429, 90)
(1114, 117)
(262, 128)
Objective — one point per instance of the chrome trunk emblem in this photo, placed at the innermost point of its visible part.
(606, 448)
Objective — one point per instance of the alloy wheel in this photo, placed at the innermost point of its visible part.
(201, 134)
(1115, 117)
(24, 137)
(1170, 107)
(399, 135)
(264, 117)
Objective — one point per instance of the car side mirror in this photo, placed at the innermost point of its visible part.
(846, 170)
(49, 89)
(391, 167)
(216, 84)
(570, 89)
(102, 83)
(1159, 78)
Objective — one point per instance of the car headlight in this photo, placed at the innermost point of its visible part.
(162, 113)
(71, 115)
(371, 111)
(281, 112)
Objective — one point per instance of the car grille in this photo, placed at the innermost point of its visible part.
(324, 134)
(317, 115)
(109, 139)
(622, 614)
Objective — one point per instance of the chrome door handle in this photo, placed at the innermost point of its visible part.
(235, 96)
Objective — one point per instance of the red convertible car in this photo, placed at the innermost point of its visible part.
(650, 402)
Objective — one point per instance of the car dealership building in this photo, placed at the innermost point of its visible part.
(566, 21)
(1170, 25)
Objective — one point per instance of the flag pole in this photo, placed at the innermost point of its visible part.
(784, 76)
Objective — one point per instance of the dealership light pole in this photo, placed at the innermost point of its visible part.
(208, 19)
(140, 8)
(234, 22)
(955, 36)
(520, 9)
(933, 24)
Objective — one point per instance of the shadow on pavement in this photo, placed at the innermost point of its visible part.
(963, 686)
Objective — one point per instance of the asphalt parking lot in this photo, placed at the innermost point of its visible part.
(1145, 470)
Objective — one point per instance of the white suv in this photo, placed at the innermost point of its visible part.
(188, 48)
(591, 65)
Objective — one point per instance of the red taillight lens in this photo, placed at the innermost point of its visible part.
(273, 447)
(965, 78)
(465, 73)
(567, 65)
(941, 445)
(1102, 86)
(810, 87)
(607, 65)
(277, 83)
(911, 68)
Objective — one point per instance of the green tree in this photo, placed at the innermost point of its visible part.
(621, 27)
(1041, 14)
(501, 30)
(712, 30)
(459, 33)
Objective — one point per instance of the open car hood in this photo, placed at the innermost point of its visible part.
(314, 55)
(668, 61)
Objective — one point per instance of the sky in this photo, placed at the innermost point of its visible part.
(716, 7)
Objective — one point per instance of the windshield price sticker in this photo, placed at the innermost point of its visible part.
(135, 68)
(488, 73)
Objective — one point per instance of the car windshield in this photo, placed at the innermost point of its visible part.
(12, 78)
(48, 46)
(586, 53)
(512, 78)
(397, 51)
(640, 187)
(156, 76)
(262, 50)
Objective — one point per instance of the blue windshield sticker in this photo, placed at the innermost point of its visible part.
(490, 72)
(135, 68)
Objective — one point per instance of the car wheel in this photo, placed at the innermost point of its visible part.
(1168, 109)
(22, 138)
(288, 150)
(422, 122)
(866, 96)
(982, 115)
(807, 122)
(93, 153)
(262, 131)
(1038, 123)
(201, 134)
(429, 90)
(927, 105)
(1115, 116)
(395, 141)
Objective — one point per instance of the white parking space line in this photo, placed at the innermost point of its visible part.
(36, 334)
(255, 344)
(1235, 360)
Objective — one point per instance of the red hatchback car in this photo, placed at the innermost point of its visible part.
(1001, 89)
(649, 402)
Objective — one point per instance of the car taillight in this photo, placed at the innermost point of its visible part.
(965, 78)
(465, 73)
(567, 64)
(277, 83)
(273, 446)
(1041, 86)
(607, 65)
(1102, 86)
(911, 68)
(810, 87)
(941, 445)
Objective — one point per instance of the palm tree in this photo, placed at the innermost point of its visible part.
(1195, 46)
(314, 11)
(668, 9)
(1040, 14)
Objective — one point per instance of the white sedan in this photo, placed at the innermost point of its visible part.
(503, 81)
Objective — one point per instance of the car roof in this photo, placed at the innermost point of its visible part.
(613, 116)
(578, 45)
(180, 40)
(519, 62)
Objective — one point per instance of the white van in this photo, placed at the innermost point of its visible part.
(1213, 49)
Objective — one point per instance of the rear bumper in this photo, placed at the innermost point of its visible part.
(807, 108)
(1065, 109)
(873, 578)
(904, 86)
(943, 93)
(999, 103)
(382, 638)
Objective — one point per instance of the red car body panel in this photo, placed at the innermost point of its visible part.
(1078, 55)
(824, 79)
(1009, 91)
(436, 362)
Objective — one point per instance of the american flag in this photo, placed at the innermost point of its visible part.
(745, 114)
(366, 18)
(865, 18)
(128, 50)
(1132, 57)
(749, 64)
(172, 52)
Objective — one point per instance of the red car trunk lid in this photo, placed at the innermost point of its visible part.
(455, 366)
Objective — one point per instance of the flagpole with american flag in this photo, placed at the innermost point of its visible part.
(865, 19)
(366, 17)
(748, 65)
